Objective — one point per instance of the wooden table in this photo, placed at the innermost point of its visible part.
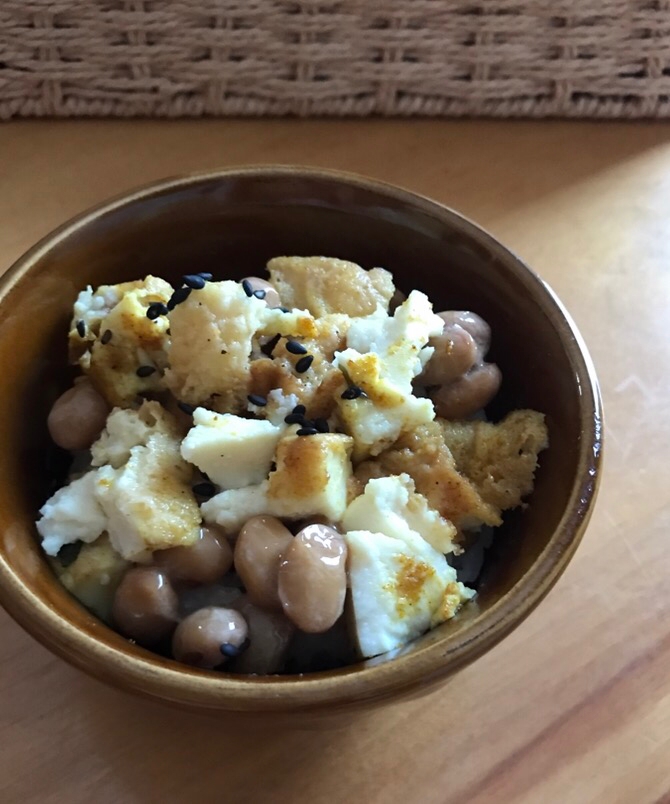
(574, 707)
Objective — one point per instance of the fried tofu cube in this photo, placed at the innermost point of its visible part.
(234, 452)
(117, 339)
(399, 340)
(311, 479)
(374, 430)
(383, 355)
(148, 501)
(397, 585)
(311, 476)
(390, 505)
(401, 583)
(500, 459)
(212, 334)
(324, 285)
(424, 456)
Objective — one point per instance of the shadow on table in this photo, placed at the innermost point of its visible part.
(488, 169)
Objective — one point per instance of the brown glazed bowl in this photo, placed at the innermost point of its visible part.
(230, 223)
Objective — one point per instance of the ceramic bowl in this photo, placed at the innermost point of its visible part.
(230, 223)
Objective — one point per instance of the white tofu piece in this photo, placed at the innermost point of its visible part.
(397, 585)
(233, 451)
(127, 428)
(232, 508)
(310, 480)
(72, 514)
(391, 505)
(375, 428)
(401, 583)
(383, 355)
(398, 339)
(148, 502)
(279, 406)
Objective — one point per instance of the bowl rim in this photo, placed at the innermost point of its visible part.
(145, 673)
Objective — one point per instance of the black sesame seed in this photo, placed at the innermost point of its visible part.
(206, 276)
(321, 425)
(295, 418)
(145, 371)
(304, 363)
(180, 295)
(186, 408)
(193, 281)
(106, 336)
(285, 309)
(257, 399)
(204, 489)
(268, 348)
(248, 288)
(307, 431)
(260, 293)
(301, 409)
(352, 392)
(156, 309)
(81, 329)
(295, 348)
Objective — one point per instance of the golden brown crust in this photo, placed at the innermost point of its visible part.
(324, 285)
(450, 603)
(316, 388)
(500, 459)
(113, 350)
(425, 457)
(302, 465)
(266, 375)
(409, 582)
(212, 331)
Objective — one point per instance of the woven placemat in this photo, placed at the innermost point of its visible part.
(584, 58)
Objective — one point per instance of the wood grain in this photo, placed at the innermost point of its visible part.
(575, 705)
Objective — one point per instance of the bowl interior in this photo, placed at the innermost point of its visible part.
(231, 225)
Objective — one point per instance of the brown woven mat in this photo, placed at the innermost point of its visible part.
(585, 58)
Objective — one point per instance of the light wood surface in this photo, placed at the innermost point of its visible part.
(574, 706)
